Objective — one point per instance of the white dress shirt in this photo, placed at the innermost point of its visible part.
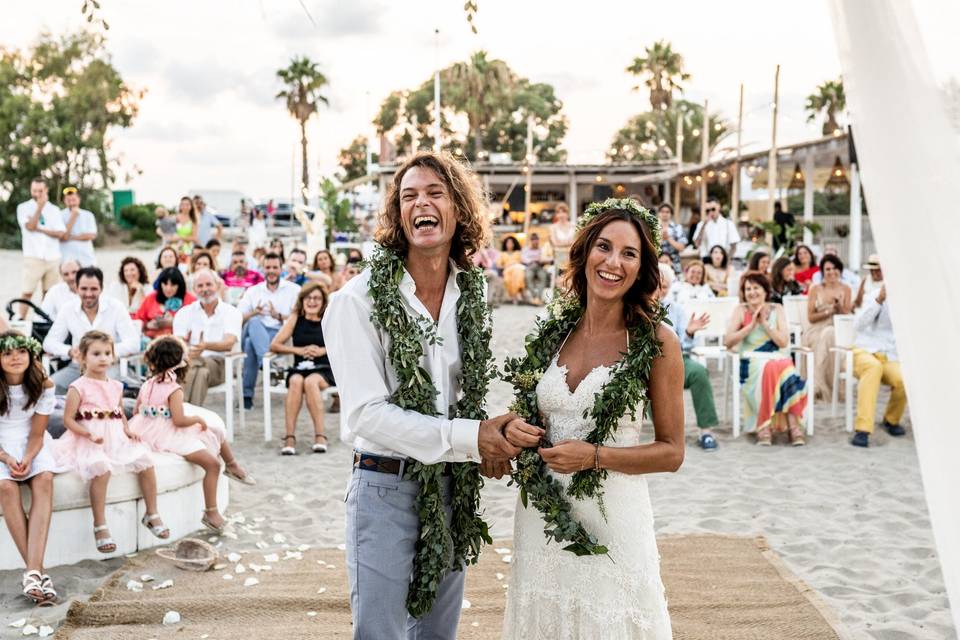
(35, 243)
(112, 318)
(57, 297)
(79, 250)
(721, 231)
(282, 298)
(366, 380)
(194, 322)
(875, 329)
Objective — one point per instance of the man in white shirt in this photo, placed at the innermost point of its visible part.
(64, 291)
(715, 230)
(212, 328)
(90, 312)
(209, 225)
(419, 224)
(80, 230)
(875, 361)
(264, 307)
(41, 229)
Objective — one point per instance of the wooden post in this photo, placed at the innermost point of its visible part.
(528, 189)
(735, 189)
(704, 153)
(809, 167)
(772, 162)
(676, 189)
(573, 199)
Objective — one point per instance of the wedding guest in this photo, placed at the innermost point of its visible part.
(311, 372)
(211, 328)
(786, 221)
(276, 246)
(486, 259)
(188, 227)
(350, 270)
(258, 230)
(199, 261)
(824, 301)
(673, 240)
(562, 232)
(324, 270)
(166, 259)
(535, 261)
(871, 283)
(693, 286)
(158, 308)
(132, 284)
(41, 229)
(783, 280)
(759, 262)
(715, 230)
(80, 230)
(692, 225)
(775, 394)
(848, 277)
(718, 271)
(239, 278)
(26, 457)
(295, 270)
(806, 264)
(166, 225)
(208, 226)
(62, 292)
(511, 266)
(214, 246)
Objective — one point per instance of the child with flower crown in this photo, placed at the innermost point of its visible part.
(26, 402)
(98, 441)
(160, 422)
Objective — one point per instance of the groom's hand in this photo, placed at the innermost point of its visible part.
(523, 435)
(491, 442)
(495, 469)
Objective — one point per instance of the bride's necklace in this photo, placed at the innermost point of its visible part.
(625, 390)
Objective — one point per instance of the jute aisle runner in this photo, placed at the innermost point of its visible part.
(718, 587)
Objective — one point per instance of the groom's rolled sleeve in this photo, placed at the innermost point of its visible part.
(370, 421)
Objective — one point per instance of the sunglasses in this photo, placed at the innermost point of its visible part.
(69, 191)
(711, 210)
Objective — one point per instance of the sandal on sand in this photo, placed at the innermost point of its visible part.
(765, 436)
(796, 436)
(33, 587)
(49, 593)
(209, 525)
(104, 545)
(320, 447)
(287, 449)
(246, 478)
(158, 530)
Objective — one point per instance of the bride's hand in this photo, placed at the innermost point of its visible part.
(523, 435)
(568, 456)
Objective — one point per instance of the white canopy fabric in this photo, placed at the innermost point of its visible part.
(910, 160)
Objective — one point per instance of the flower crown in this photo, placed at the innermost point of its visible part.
(623, 204)
(12, 343)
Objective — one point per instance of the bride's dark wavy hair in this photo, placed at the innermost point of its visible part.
(34, 380)
(640, 301)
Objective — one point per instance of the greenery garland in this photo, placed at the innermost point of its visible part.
(626, 389)
(416, 392)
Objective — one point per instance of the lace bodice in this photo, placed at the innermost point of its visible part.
(564, 410)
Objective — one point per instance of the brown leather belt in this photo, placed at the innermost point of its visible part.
(384, 464)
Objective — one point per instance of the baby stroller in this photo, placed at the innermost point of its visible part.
(41, 323)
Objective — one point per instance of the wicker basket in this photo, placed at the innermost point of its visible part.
(190, 554)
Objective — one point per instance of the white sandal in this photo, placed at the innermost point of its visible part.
(209, 525)
(104, 543)
(246, 478)
(49, 593)
(289, 450)
(160, 531)
(319, 447)
(32, 584)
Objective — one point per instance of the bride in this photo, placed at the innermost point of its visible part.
(554, 593)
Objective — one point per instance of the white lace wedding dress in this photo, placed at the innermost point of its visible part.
(558, 595)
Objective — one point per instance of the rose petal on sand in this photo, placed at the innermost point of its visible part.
(271, 557)
(279, 538)
(474, 624)
(45, 630)
(293, 555)
(507, 559)
(303, 547)
(228, 576)
(212, 539)
(134, 585)
(259, 519)
(146, 578)
(234, 557)
(322, 590)
(230, 534)
(240, 569)
(465, 604)
(499, 576)
(166, 584)
(502, 551)
(330, 566)
(218, 567)
(204, 636)
(171, 617)
(342, 547)
(321, 562)
(311, 613)
(289, 497)
(16, 624)
(262, 545)
(29, 630)
(249, 582)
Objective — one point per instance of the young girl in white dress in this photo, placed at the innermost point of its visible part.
(98, 441)
(26, 402)
(160, 422)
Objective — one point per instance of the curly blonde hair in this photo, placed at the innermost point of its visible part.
(468, 201)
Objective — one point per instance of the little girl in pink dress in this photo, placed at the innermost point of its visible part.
(160, 422)
(98, 441)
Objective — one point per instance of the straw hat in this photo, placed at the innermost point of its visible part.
(873, 262)
(191, 554)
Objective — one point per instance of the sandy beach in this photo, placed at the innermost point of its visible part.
(852, 523)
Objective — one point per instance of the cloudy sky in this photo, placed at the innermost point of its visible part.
(210, 120)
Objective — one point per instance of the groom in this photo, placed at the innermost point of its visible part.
(434, 218)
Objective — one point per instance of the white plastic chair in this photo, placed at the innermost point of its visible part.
(734, 385)
(844, 337)
(796, 309)
(134, 359)
(280, 389)
(232, 389)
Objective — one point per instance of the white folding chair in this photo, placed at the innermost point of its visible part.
(281, 389)
(232, 389)
(133, 359)
(796, 309)
(844, 337)
(734, 384)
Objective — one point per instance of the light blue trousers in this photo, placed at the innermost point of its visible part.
(256, 338)
(382, 532)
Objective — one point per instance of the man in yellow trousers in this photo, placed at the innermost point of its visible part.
(875, 361)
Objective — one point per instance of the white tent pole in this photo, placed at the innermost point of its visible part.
(808, 170)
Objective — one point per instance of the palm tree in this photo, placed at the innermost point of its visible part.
(478, 87)
(662, 70)
(828, 100)
(303, 81)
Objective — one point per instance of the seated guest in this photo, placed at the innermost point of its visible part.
(718, 270)
(871, 282)
(62, 292)
(562, 233)
(783, 280)
(296, 267)
(692, 287)
(311, 372)
(875, 361)
(168, 257)
(535, 260)
(695, 375)
(824, 301)
(324, 270)
(510, 263)
(350, 270)
(200, 260)
(264, 307)
(213, 246)
(759, 262)
(132, 285)
(89, 312)
(211, 328)
(848, 277)
(775, 394)
(276, 246)
(158, 308)
(241, 245)
(673, 239)
(806, 264)
(486, 259)
(239, 278)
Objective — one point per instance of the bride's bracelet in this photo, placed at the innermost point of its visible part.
(596, 458)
